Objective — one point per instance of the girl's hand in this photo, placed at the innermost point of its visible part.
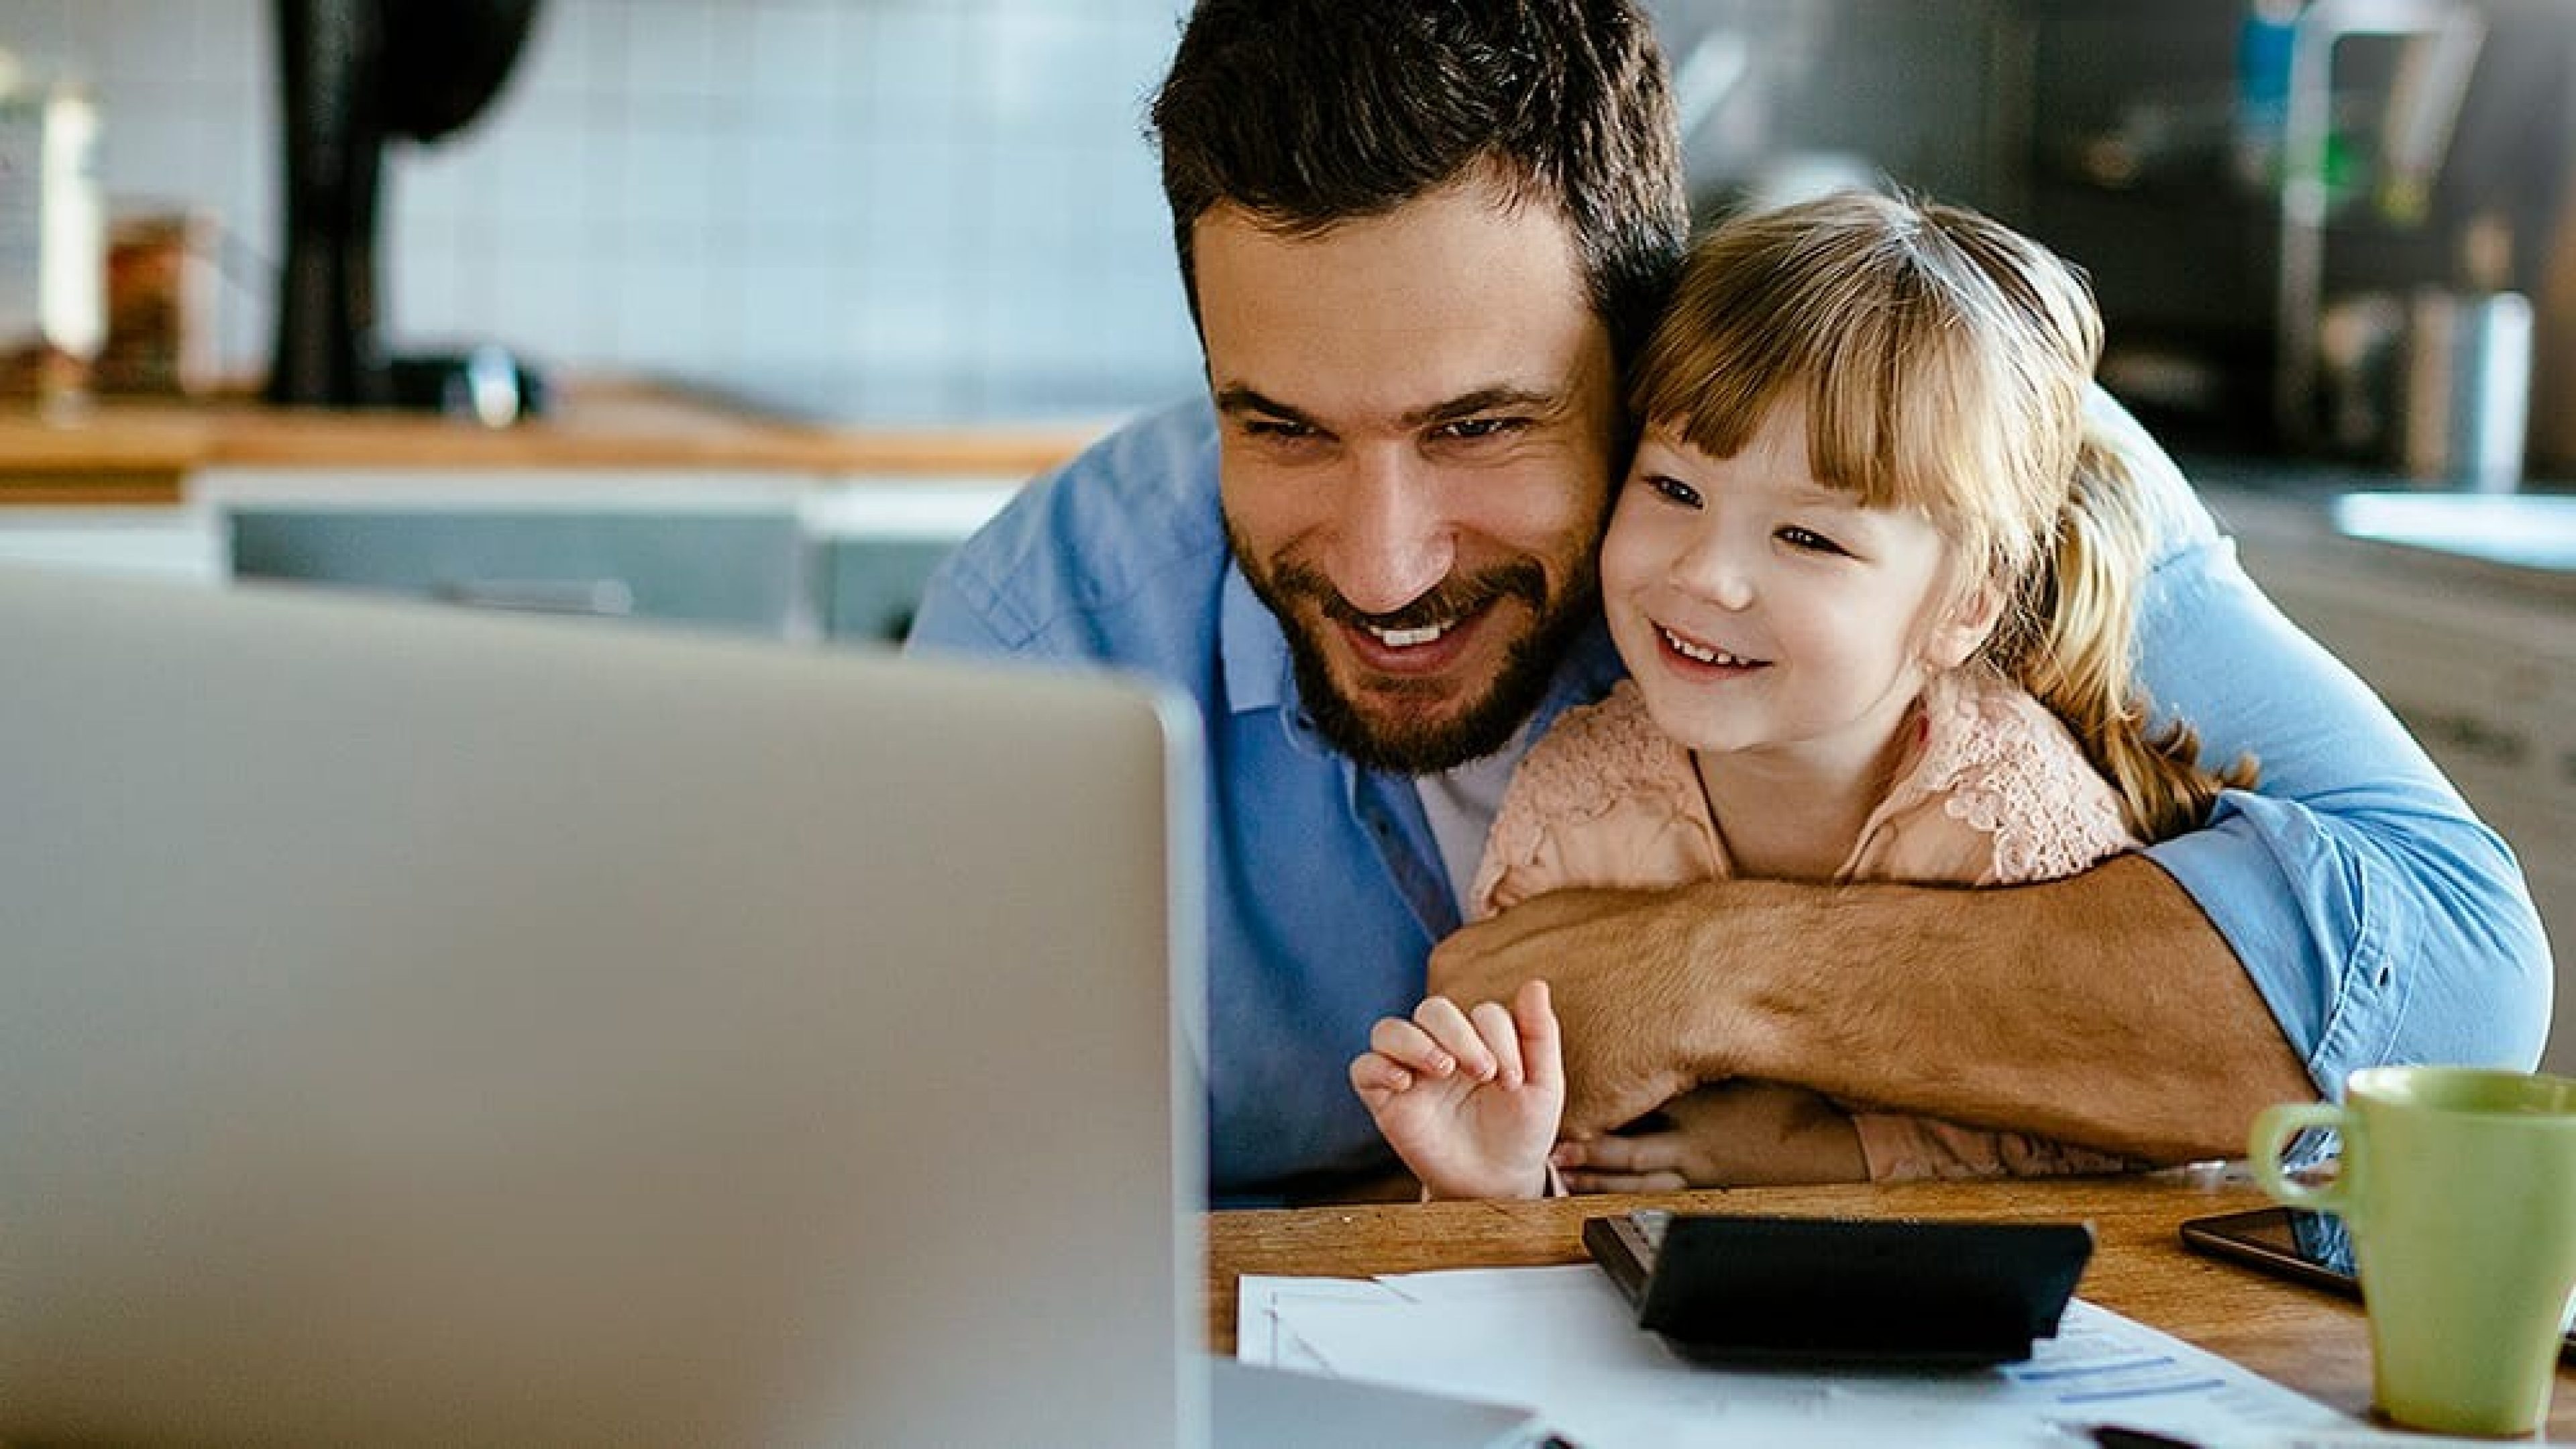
(1469, 1099)
(1731, 1134)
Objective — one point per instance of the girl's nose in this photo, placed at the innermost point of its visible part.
(1712, 570)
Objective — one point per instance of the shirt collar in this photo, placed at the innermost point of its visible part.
(1252, 647)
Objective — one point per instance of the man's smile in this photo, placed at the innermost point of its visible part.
(1415, 649)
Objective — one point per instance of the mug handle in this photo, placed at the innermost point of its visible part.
(2274, 1126)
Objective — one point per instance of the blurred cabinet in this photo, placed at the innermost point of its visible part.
(743, 568)
(171, 541)
(872, 586)
(880, 538)
(787, 555)
(717, 550)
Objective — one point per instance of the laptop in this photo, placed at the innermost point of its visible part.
(421, 1027)
(428, 1027)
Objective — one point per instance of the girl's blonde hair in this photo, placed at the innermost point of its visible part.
(1944, 359)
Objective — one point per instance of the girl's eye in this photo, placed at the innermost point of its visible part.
(1673, 489)
(1810, 540)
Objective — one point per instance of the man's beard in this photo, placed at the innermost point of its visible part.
(1410, 747)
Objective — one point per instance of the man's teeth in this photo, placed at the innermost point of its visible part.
(1700, 652)
(1408, 638)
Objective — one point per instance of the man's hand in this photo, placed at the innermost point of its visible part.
(1469, 1099)
(1733, 1134)
(1609, 958)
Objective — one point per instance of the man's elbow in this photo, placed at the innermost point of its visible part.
(2484, 976)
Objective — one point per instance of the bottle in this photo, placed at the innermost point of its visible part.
(53, 236)
(2466, 411)
(2263, 43)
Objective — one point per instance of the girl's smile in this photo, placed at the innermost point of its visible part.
(1717, 661)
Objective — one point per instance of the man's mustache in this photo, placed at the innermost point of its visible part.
(1453, 598)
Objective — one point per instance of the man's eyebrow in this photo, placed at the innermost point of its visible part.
(1234, 399)
(1482, 400)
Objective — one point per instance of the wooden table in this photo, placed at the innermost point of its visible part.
(2308, 1339)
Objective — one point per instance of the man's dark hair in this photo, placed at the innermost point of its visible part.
(1309, 113)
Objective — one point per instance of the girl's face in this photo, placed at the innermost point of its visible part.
(1761, 610)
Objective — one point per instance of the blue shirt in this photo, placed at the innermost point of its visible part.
(2378, 918)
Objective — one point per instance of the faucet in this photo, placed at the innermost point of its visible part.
(2423, 103)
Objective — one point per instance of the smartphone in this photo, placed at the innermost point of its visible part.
(2314, 1248)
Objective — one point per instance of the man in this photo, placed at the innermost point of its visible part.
(1418, 242)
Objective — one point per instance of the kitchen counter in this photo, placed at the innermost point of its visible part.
(120, 451)
(2310, 513)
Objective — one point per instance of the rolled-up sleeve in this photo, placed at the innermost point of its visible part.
(2380, 920)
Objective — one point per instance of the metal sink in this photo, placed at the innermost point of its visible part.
(2520, 530)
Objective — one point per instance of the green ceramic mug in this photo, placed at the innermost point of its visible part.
(2459, 1186)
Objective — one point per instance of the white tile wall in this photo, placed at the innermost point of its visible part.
(947, 196)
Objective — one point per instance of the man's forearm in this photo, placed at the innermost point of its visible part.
(2103, 1009)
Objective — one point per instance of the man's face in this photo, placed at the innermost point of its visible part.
(1418, 412)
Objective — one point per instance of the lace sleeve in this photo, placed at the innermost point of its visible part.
(1598, 801)
(2008, 769)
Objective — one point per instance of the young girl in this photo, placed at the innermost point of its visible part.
(1875, 593)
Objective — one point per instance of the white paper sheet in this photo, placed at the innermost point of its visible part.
(1562, 1341)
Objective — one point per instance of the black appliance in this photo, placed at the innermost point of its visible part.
(355, 75)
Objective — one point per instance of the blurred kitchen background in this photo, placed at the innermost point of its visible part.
(940, 206)
(816, 284)
(2264, 192)
(892, 208)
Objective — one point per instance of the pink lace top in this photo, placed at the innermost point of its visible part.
(1996, 792)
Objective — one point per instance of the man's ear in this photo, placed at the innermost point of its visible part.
(1963, 628)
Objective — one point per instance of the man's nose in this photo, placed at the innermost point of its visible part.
(1392, 541)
